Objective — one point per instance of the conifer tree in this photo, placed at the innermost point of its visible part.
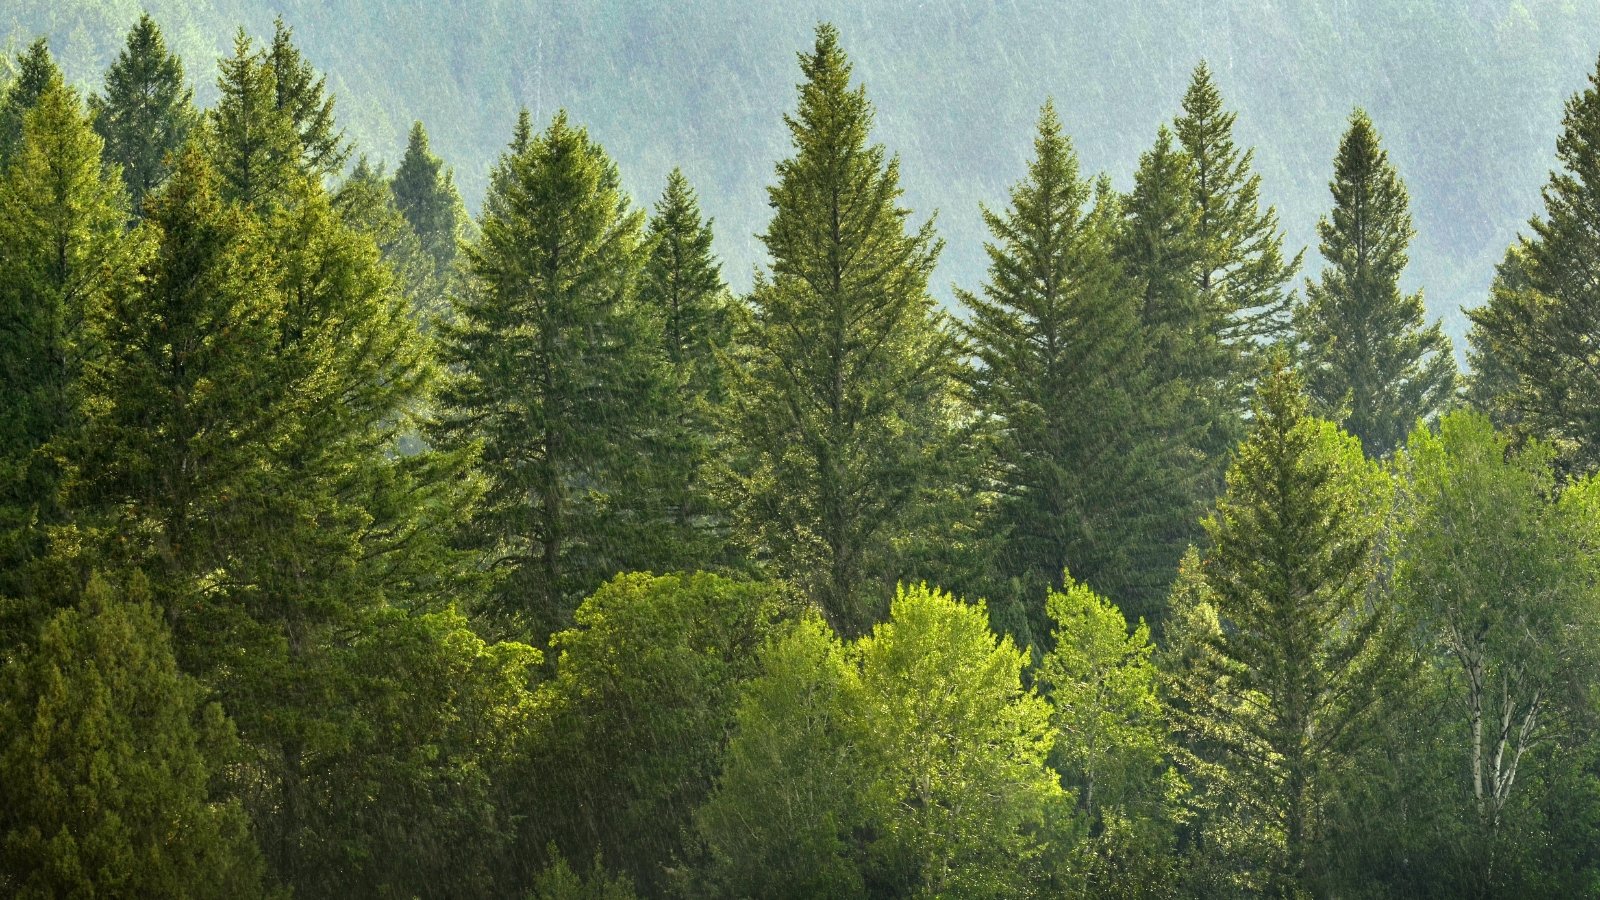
(841, 407)
(300, 94)
(1536, 331)
(146, 112)
(425, 193)
(557, 374)
(1369, 357)
(36, 72)
(1244, 271)
(1059, 364)
(368, 205)
(682, 291)
(251, 143)
(61, 224)
(107, 759)
(1289, 643)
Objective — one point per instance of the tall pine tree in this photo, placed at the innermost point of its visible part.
(146, 112)
(36, 72)
(1369, 356)
(1290, 644)
(842, 399)
(1534, 337)
(556, 373)
(425, 193)
(1060, 367)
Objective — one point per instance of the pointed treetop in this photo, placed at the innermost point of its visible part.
(36, 72)
(147, 109)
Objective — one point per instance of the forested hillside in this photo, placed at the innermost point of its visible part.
(1467, 91)
(356, 544)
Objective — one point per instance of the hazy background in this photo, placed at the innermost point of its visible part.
(1467, 93)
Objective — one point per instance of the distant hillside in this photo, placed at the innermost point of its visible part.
(1467, 93)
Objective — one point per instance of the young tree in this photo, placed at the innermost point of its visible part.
(558, 375)
(1243, 270)
(842, 389)
(1112, 743)
(1538, 326)
(682, 291)
(1280, 691)
(62, 217)
(36, 73)
(1495, 569)
(107, 758)
(146, 112)
(1369, 357)
(425, 193)
(1060, 368)
(911, 764)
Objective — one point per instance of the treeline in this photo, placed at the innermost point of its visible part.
(327, 518)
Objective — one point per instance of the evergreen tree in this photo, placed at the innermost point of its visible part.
(62, 217)
(557, 374)
(1060, 367)
(300, 95)
(1535, 333)
(1369, 357)
(841, 404)
(1243, 271)
(425, 193)
(368, 206)
(107, 759)
(147, 111)
(251, 143)
(682, 291)
(1282, 688)
(36, 72)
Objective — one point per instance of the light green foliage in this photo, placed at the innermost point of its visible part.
(1277, 698)
(911, 764)
(65, 253)
(146, 112)
(557, 375)
(841, 408)
(1059, 367)
(559, 882)
(1370, 360)
(636, 716)
(35, 73)
(252, 144)
(1112, 745)
(107, 759)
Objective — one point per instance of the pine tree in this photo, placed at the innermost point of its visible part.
(682, 291)
(1535, 333)
(62, 217)
(1243, 273)
(107, 760)
(368, 205)
(147, 111)
(841, 401)
(556, 372)
(1060, 367)
(251, 143)
(300, 94)
(425, 192)
(36, 72)
(1369, 357)
(1292, 643)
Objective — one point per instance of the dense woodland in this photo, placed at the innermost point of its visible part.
(353, 546)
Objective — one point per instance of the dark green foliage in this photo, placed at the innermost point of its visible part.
(146, 112)
(1532, 340)
(682, 292)
(425, 193)
(108, 755)
(36, 72)
(1243, 271)
(558, 377)
(1370, 360)
(841, 408)
(1293, 646)
(299, 95)
(250, 142)
(368, 206)
(1060, 367)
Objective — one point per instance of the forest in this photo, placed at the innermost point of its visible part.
(354, 545)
